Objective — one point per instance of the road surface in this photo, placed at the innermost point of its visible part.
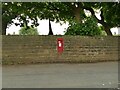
(0, 76)
(92, 75)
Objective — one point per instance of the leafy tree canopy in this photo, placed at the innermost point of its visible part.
(65, 11)
(89, 27)
(30, 31)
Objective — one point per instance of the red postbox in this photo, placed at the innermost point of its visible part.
(60, 45)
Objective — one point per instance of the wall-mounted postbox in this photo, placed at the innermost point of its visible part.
(60, 45)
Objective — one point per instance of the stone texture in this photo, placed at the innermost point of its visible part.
(43, 49)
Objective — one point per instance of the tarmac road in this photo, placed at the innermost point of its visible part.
(92, 75)
(0, 76)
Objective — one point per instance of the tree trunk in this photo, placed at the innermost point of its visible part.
(104, 24)
(50, 29)
(77, 15)
(4, 26)
(107, 30)
(77, 12)
(106, 27)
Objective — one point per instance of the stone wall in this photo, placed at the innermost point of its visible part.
(43, 49)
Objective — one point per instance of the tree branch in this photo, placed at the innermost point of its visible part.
(105, 25)
(101, 15)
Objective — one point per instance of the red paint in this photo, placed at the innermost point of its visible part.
(60, 45)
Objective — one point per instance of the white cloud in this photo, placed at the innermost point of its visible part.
(43, 27)
(114, 31)
(59, 29)
(13, 29)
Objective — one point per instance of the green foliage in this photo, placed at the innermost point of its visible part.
(89, 28)
(59, 11)
(103, 33)
(111, 13)
(29, 31)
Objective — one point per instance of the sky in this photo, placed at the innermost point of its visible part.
(43, 28)
(58, 29)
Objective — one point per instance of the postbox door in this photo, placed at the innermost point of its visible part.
(60, 45)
